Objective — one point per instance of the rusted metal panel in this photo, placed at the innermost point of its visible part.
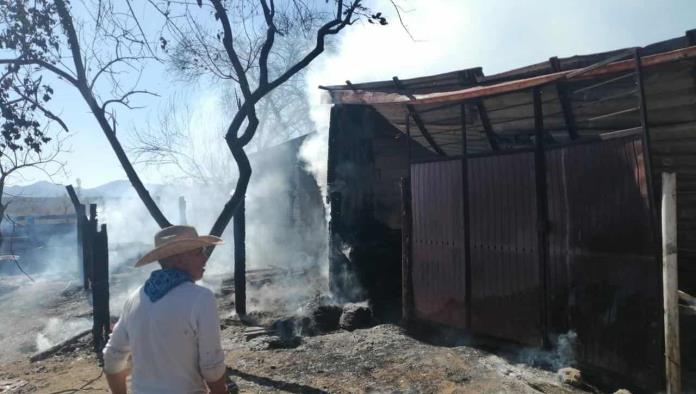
(504, 257)
(367, 97)
(605, 280)
(438, 268)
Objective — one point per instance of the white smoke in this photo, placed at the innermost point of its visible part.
(560, 356)
(447, 35)
(58, 330)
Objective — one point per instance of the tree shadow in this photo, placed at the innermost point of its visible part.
(268, 382)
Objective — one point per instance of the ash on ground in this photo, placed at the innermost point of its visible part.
(302, 348)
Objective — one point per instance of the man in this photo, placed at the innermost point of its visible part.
(170, 325)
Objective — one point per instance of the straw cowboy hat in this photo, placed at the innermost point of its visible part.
(177, 239)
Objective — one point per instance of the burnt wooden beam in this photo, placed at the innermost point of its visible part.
(653, 203)
(426, 134)
(57, 348)
(589, 69)
(402, 88)
(418, 120)
(563, 97)
(487, 126)
(73, 197)
(647, 146)
(691, 37)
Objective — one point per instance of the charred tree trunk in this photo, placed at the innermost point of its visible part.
(239, 225)
(244, 167)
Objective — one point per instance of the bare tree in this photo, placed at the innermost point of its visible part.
(173, 140)
(42, 37)
(238, 47)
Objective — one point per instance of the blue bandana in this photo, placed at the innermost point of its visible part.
(162, 281)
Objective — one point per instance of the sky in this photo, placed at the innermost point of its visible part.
(448, 35)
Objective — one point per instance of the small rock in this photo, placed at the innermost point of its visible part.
(355, 316)
(622, 391)
(570, 376)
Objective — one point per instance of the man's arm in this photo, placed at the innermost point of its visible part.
(211, 358)
(116, 354)
(117, 382)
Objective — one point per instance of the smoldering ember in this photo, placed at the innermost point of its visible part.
(413, 196)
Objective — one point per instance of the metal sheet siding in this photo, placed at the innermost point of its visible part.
(603, 277)
(504, 259)
(605, 280)
(438, 239)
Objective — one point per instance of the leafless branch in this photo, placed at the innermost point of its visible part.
(140, 28)
(123, 100)
(398, 10)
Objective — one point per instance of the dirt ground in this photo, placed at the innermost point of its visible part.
(379, 359)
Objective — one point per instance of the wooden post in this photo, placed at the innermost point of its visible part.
(81, 230)
(84, 245)
(407, 306)
(240, 259)
(88, 234)
(100, 292)
(669, 283)
(80, 223)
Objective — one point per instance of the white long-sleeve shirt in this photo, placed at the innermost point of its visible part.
(175, 342)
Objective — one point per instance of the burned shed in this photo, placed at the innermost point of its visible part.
(530, 200)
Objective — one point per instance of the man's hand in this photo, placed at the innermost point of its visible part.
(217, 387)
(117, 381)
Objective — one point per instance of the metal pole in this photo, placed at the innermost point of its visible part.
(466, 217)
(542, 212)
(407, 307)
(669, 283)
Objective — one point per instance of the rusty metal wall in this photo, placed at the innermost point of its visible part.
(504, 250)
(438, 238)
(604, 275)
